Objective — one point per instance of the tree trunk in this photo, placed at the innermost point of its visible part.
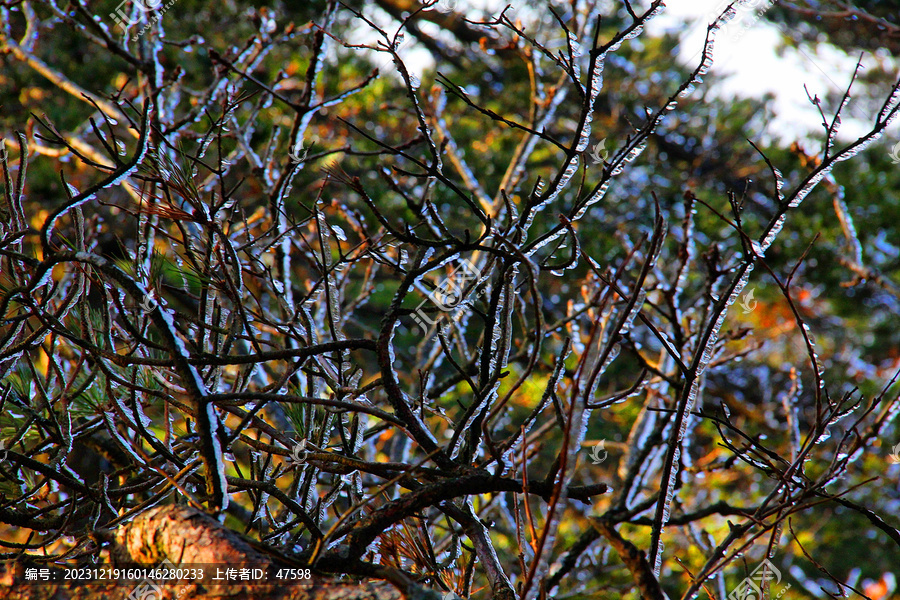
(183, 537)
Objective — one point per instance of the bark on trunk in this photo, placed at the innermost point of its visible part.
(183, 536)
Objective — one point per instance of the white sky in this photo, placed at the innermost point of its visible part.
(745, 53)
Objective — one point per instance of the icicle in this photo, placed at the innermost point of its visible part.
(847, 221)
(892, 104)
(758, 249)
(773, 232)
(833, 130)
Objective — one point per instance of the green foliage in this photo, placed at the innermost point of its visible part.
(258, 257)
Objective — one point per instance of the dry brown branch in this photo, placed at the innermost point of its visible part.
(185, 537)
